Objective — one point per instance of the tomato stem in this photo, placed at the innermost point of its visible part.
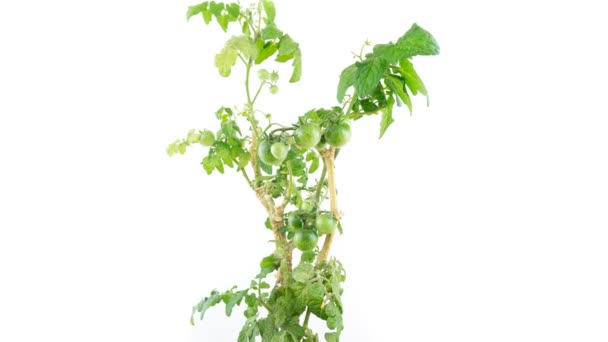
(329, 157)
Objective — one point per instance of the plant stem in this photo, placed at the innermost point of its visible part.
(320, 184)
(306, 318)
(329, 157)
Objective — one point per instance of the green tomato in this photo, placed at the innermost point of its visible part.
(274, 89)
(294, 221)
(263, 74)
(207, 138)
(306, 206)
(279, 150)
(305, 240)
(326, 223)
(307, 135)
(338, 134)
(265, 154)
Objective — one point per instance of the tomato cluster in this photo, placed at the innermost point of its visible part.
(306, 227)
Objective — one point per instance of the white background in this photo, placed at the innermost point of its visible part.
(480, 218)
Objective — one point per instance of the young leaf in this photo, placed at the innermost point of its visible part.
(417, 42)
(387, 116)
(225, 60)
(244, 45)
(369, 73)
(297, 67)
(347, 79)
(196, 9)
(270, 10)
(287, 46)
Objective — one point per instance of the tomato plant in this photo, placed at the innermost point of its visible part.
(291, 167)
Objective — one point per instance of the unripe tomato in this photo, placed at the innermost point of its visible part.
(279, 151)
(325, 223)
(265, 154)
(294, 221)
(305, 240)
(338, 134)
(207, 138)
(307, 135)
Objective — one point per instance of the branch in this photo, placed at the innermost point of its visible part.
(329, 156)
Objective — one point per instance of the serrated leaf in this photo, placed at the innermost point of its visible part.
(297, 67)
(208, 165)
(207, 303)
(369, 73)
(270, 10)
(269, 261)
(388, 52)
(225, 60)
(216, 8)
(347, 79)
(308, 256)
(397, 85)
(303, 272)
(243, 44)
(417, 42)
(196, 9)
(387, 117)
(235, 299)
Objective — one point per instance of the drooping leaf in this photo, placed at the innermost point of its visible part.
(369, 73)
(347, 79)
(397, 85)
(387, 117)
(417, 42)
(297, 67)
(235, 299)
(412, 80)
(233, 9)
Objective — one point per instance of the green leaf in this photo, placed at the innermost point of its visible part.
(412, 80)
(397, 85)
(225, 60)
(347, 79)
(369, 73)
(332, 337)
(196, 9)
(297, 67)
(303, 272)
(233, 9)
(207, 16)
(307, 256)
(295, 330)
(271, 32)
(216, 8)
(223, 21)
(269, 261)
(235, 299)
(314, 166)
(270, 10)
(266, 51)
(243, 44)
(208, 302)
(417, 42)
(208, 165)
(249, 331)
(388, 52)
(287, 46)
(387, 117)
